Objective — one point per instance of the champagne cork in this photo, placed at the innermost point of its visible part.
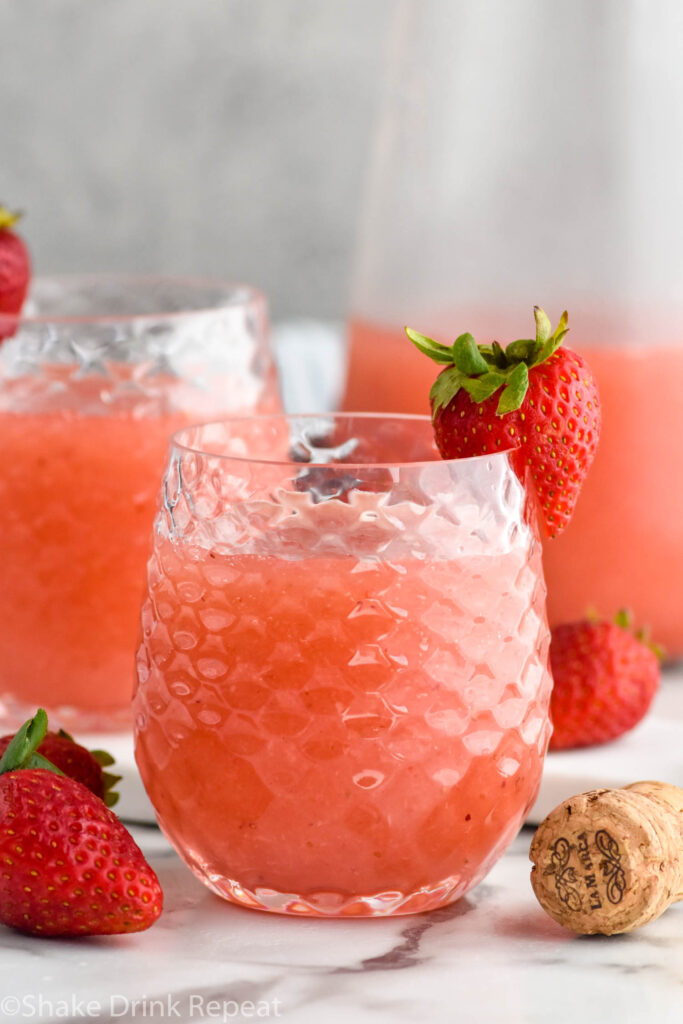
(610, 860)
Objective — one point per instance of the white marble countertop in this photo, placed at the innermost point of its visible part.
(494, 956)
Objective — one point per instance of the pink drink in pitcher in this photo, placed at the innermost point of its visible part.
(624, 545)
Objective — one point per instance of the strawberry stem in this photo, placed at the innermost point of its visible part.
(105, 760)
(482, 370)
(624, 618)
(8, 218)
(21, 751)
(544, 328)
(110, 797)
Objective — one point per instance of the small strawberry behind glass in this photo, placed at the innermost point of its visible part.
(606, 675)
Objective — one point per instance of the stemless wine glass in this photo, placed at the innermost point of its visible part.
(94, 377)
(343, 675)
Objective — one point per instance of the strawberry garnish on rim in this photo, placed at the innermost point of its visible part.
(534, 395)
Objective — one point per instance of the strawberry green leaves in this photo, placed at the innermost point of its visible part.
(445, 387)
(524, 350)
(105, 760)
(482, 370)
(481, 388)
(434, 349)
(624, 619)
(544, 328)
(468, 362)
(550, 340)
(515, 389)
(467, 357)
(22, 751)
(32, 746)
(8, 218)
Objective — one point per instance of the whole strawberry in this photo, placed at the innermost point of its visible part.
(15, 272)
(79, 763)
(534, 396)
(605, 678)
(67, 864)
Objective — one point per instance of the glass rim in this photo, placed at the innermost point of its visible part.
(175, 442)
(237, 294)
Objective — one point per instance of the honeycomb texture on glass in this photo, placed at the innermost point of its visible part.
(144, 346)
(343, 679)
(94, 378)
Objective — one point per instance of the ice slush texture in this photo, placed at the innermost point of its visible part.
(342, 703)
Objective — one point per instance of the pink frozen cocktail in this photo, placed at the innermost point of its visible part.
(343, 681)
(94, 377)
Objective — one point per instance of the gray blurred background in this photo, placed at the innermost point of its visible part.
(216, 137)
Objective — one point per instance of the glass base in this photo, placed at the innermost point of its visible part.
(335, 904)
(76, 720)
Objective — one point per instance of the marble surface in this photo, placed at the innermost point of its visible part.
(494, 956)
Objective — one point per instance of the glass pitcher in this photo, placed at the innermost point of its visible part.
(531, 153)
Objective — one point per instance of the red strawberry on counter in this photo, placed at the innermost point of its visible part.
(67, 864)
(535, 396)
(605, 678)
(15, 272)
(79, 763)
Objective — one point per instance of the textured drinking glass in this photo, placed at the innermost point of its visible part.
(93, 379)
(343, 679)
